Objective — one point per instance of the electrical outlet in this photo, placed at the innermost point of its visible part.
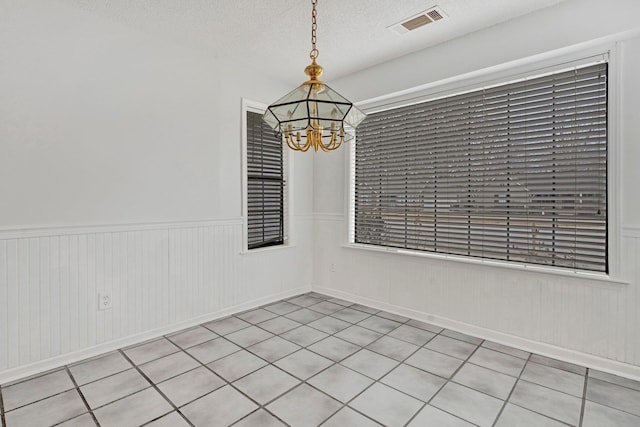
(104, 300)
(333, 268)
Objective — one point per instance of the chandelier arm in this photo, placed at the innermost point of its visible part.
(307, 144)
(289, 140)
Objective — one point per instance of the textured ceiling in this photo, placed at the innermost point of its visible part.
(274, 35)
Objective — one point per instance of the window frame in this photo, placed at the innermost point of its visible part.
(260, 108)
(535, 66)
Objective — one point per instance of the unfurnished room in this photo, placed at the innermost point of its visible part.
(331, 213)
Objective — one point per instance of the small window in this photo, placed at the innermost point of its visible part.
(515, 172)
(265, 184)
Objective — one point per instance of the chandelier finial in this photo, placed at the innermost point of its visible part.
(313, 70)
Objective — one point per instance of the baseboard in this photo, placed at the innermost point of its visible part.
(590, 361)
(12, 375)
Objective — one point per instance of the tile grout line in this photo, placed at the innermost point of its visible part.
(121, 371)
(447, 380)
(440, 333)
(554, 367)
(515, 384)
(346, 404)
(584, 397)
(566, 365)
(334, 363)
(617, 384)
(564, 423)
(518, 379)
(260, 408)
(228, 383)
(155, 387)
(548, 388)
(624, 411)
(343, 404)
(386, 334)
(84, 400)
(38, 375)
(41, 399)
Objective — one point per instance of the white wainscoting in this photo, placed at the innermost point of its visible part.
(592, 322)
(162, 277)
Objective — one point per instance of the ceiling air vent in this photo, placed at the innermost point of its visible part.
(417, 21)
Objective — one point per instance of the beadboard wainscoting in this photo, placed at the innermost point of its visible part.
(162, 277)
(591, 322)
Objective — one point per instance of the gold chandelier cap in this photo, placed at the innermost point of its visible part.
(314, 71)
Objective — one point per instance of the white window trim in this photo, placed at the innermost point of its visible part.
(257, 107)
(516, 70)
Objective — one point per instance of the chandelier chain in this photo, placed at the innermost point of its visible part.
(314, 26)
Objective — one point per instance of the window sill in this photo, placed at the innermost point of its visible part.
(597, 277)
(267, 249)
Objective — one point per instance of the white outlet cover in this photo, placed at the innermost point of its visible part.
(104, 300)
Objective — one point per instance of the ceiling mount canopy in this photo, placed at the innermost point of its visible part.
(313, 114)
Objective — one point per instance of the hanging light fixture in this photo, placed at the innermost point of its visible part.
(313, 114)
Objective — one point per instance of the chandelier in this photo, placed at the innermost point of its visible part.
(313, 114)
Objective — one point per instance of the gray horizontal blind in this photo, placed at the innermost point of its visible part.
(265, 184)
(515, 172)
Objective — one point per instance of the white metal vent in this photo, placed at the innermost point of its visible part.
(417, 21)
(435, 15)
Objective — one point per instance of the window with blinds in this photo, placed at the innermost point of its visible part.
(516, 172)
(265, 185)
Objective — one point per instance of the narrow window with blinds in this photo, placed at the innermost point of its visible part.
(516, 173)
(265, 185)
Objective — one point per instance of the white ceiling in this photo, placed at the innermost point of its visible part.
(274, 35)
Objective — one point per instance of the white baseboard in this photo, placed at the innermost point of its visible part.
(22, 372)
(590, 361)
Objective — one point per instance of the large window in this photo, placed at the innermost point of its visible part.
(515, 172)
(265, 168)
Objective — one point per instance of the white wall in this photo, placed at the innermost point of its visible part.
(120, 170)
(590, 321)
(86, 102)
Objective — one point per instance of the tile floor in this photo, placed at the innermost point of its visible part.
(314, 360)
